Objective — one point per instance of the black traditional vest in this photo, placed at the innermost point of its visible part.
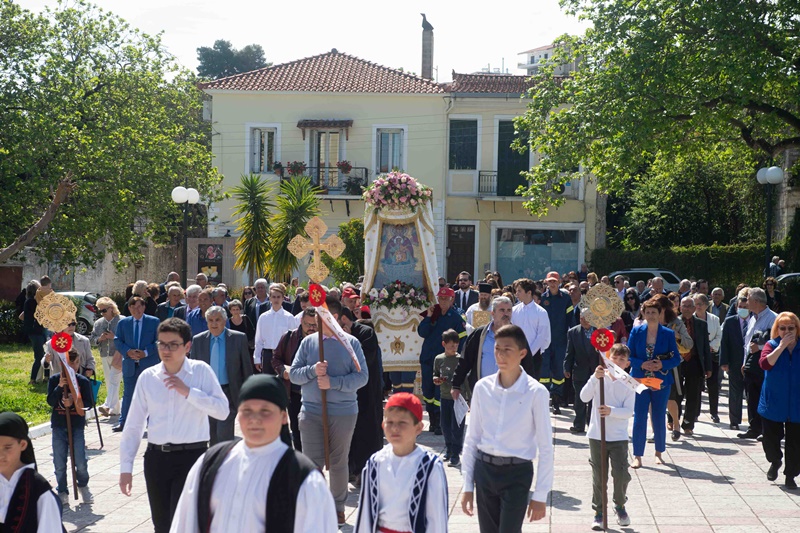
(21, 516)
(289, 474)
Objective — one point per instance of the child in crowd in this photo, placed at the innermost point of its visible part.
(27, 501)
(617, 409)
(444, 366)
(62, 404)
(407, 481)
(509, 427)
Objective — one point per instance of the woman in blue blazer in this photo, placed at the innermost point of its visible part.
(779, 405)
(654, 353)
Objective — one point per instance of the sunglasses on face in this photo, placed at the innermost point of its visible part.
(103, 310)
(72, 324)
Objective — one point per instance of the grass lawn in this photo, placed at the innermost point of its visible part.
(30, 401)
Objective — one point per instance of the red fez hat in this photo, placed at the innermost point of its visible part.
(407, 401)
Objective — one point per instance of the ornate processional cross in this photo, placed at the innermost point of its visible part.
(333, 246)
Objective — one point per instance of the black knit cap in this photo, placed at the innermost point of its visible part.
(13, 425)
(264, 387)
(485, 288)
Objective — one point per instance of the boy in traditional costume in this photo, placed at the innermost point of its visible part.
(27, 501)
(259, 483)
(403, 486)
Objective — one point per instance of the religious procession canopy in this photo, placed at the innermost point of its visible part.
(400, 265)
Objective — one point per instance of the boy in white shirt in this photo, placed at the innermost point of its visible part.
(509, 427)
(618, 408)
(403, 487)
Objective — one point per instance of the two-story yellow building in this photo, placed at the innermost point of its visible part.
(453, 137)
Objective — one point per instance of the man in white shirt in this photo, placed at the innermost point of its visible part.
(619, 286)
(174, 399)
(239, 477)
(701, 304)
(535, 323)
(271, 326)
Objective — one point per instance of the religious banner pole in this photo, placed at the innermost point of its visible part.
(601, 306)
(317, 271)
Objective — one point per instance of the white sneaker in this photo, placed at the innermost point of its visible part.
(64, 497)
(86, 494)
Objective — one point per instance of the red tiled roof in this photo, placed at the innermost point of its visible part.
(489, 83)
(329, 72)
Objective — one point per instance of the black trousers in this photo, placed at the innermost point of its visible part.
(693, 379)
(735, 393)
(774, 432)
(712, 385)
(582, 410)
(752, 389)
(502, 496)
(295, 402)
(164, 475)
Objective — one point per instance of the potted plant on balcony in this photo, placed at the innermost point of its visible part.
(296, 168)
(353, 186)
(344, 167)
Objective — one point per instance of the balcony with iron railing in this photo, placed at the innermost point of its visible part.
(488, 186)
(334, 182)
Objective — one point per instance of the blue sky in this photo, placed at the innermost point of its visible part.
(468, 35)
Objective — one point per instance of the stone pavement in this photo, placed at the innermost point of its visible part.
(712, 482)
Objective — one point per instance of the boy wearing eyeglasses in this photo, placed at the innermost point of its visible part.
(174, 399)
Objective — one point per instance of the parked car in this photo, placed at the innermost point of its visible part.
(87, 312)
(671, 280)
(789, 285)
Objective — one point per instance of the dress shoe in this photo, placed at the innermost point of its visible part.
(760, 438)
(116, 429)
(772, 473)
(747, 435)
(715, 419)
(790, 484)
(676, 435)
(577, 431)
(556, 409)
(688, 432)
(104, 410)
(734, 427)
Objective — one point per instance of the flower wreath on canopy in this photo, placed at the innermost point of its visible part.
(397, 295)
(396, 190)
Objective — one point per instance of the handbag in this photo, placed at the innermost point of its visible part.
(116, 361)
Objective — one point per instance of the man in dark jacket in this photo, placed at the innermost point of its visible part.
(477, 359)
(579, 364)
(731, 360)
(696, 366)
(282, 358)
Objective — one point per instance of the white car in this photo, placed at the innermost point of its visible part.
(87, 312)
(671, 280)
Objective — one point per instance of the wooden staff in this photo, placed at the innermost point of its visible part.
(69, 439)
(603, 450)
(324, 395)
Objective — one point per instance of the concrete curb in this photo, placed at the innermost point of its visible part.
(44, 429)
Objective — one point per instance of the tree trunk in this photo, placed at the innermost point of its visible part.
(65, 186)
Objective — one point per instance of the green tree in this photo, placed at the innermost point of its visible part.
(706, 199)
(297, 203)
(223, 59)
(350, 265)
(663, 78)
(99, 124)
(254, 207)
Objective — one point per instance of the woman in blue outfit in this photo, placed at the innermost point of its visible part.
(654, 353)
(779, 405)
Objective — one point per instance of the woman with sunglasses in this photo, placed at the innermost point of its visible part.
(779, 404)
(774, 298)
(631, 312)
(103, 333)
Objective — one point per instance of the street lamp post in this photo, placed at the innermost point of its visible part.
(770, 177)
(185, 196)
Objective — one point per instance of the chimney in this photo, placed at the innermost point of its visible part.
(427, 48)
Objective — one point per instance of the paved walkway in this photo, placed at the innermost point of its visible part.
(712, 482)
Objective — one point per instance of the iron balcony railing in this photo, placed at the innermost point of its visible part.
(487, 185)
(332, 180)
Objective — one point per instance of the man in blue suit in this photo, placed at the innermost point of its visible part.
(136, 341)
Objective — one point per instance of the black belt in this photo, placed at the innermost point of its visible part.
(501, 461)
(177, 447)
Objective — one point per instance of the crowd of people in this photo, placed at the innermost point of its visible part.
(191, 362)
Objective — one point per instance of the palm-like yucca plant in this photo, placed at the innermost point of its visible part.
(297, 203)
(254, 209)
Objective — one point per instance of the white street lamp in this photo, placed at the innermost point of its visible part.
(770, 177)
(185, 196)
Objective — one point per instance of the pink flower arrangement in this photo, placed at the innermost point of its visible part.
(397, 190)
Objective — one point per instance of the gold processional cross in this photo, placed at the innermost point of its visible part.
(333, 246)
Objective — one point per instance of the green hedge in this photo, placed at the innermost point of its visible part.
(10, 324)
(724, 266)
